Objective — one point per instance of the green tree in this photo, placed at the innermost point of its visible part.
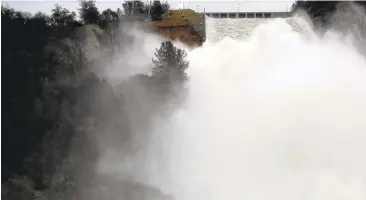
(170, 62)
(165, 6)
(133, 7)
(61, 16)
(88, 12)
(156, 11)
(109, 18)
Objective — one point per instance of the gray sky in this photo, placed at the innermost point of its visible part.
(209, 5)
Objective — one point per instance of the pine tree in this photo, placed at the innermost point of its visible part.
(170, 62)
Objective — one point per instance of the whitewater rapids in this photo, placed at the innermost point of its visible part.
(274, 112)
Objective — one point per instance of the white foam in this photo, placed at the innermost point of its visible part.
(274, 115)
(273, 112)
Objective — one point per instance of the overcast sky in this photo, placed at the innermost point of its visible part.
(209, 5)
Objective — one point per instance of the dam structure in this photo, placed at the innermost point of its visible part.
(247, 14)
(217, 29)
(239, 16)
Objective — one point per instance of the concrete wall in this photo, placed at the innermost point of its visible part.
(248, 14)
(281, 14)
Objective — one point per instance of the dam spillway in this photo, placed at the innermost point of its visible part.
(250, 18)
(247, 14)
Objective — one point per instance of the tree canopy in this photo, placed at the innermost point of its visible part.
(88, 12)
(170, 62)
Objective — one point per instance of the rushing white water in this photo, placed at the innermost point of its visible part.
(273, 112)
(218, 29)
(275, 115)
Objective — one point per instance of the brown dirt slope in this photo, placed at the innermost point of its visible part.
(184, 25)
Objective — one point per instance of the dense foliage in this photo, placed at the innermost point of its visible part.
(51, 98)
(152, 10)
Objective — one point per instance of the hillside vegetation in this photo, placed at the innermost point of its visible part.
(60, 107)
(186, 14)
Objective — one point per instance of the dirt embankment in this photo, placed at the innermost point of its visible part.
(184, 25)
(179, 30)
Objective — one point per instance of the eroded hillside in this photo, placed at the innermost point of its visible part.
(184, 25)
